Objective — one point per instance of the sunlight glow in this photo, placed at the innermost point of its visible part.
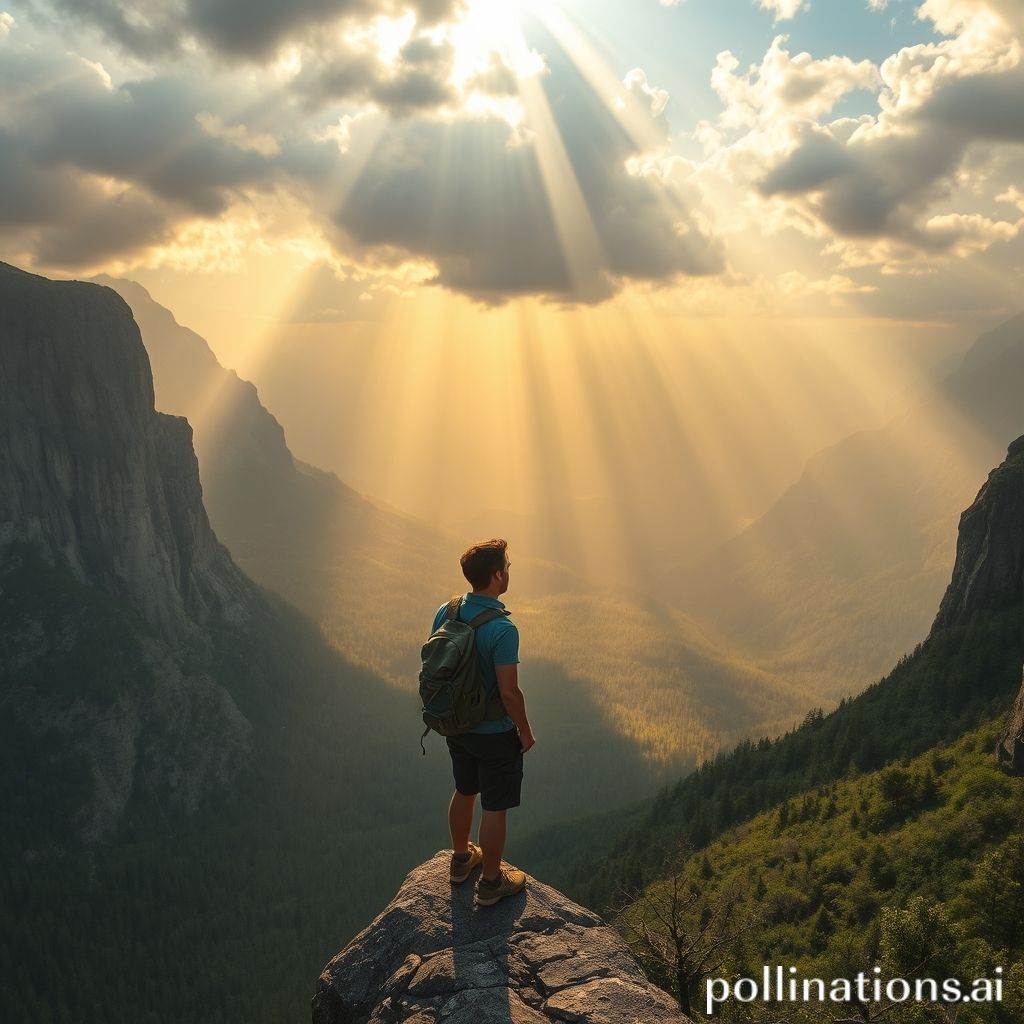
(494, 29)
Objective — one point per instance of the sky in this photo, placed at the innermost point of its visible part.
(330, 183)
(763, 155)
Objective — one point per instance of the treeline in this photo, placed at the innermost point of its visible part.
(916, 869)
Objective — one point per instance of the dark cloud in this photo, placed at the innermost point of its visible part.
(419, 79)
(425, 191)
(101, 228)
(144, 28)
(31, 194)
(92, 172)
(66, 221)
(987, 107)
(882, 185)
(236, 29)
(818, 159)
(144, 133)
(472, 198)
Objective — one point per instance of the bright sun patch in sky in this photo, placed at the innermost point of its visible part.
(494, 29)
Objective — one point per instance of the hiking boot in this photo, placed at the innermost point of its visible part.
(462, 869)
(508, 883)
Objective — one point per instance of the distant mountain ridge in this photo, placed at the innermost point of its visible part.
(839, 578)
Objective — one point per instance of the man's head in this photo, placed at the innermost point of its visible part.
(486, 566)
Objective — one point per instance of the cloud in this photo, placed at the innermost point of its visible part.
(783, 9)
(66, 113)
(784, 86)
(955, 16)
(6, 23)
(637, 79)
(467, 198)
(235, 29)
(473, 200)
(906, 183)
(92, 171)
(418, 78)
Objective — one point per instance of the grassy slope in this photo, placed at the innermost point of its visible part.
(920, 861)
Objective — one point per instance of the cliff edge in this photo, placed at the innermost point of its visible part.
(92, 473)
(432, 956)
(989, 570)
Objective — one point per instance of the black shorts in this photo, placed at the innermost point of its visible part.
(490, 764)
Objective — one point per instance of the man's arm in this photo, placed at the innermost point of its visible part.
(515, 703)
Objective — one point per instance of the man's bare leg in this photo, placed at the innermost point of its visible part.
(492, 840)
(460, 820)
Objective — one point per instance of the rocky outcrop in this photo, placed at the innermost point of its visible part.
(431, 956)
(91, 473)
(1010, 745)
(989, 570)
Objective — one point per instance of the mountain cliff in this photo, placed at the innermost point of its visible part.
(93, 474)
(989, 570)
(108, 566)
(531, 959)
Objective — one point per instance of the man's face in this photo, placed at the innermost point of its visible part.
(502, 575)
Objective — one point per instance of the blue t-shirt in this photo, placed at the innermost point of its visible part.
(497, 643)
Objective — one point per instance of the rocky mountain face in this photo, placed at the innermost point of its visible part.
(1010, 745)
(109, 569)
(989, 574)
(989, 570)
(92, 473)
(531, 959)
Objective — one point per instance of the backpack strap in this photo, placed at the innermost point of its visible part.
(452, 611)
(488, 615)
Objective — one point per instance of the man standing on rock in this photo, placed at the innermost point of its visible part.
(489, 758)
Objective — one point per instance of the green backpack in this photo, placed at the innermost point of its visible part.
(451, 690)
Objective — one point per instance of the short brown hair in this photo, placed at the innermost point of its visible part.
(482, 561)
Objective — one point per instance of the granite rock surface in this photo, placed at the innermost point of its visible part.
(432, 956)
